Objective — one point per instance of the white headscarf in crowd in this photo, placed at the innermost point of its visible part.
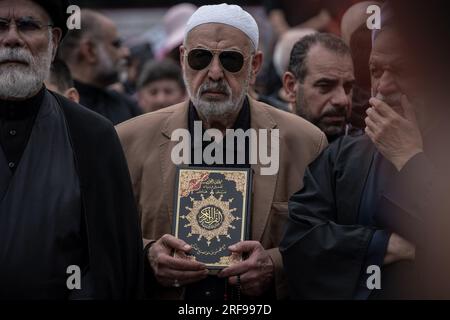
(231, 15)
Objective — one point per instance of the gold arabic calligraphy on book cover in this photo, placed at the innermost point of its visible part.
(211, 213)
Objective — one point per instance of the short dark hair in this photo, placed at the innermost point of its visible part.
(299, 53)
(60, 75)
(90, 27)
(160, 70)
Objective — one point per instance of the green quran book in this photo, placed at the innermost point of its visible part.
(212, 212)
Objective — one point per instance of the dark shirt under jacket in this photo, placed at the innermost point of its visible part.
(242, 122)
(16, 123)
(112, 105)
(214, 288)
(116, 257)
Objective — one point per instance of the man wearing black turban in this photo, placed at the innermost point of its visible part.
(66, 203)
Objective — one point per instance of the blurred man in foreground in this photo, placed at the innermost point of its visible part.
(346, 220)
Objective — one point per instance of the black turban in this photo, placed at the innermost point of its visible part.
(57, 10)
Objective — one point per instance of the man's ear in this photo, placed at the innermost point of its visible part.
(88, 51)
(290, 86)
(257, 62)
(182, 53)
(72, 94)
(56, 39)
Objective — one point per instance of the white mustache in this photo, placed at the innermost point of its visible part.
(393, 100)
(20, 55)
(218, 86)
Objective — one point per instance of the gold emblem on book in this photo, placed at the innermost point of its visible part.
(210, 218)
(228, 260)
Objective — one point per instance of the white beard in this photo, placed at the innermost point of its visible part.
(210, 109)
(19, 81)
(393, 100)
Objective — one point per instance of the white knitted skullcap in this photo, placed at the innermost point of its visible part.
(231, 15)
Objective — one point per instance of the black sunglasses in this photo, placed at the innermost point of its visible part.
(232, 61)
(117, 43)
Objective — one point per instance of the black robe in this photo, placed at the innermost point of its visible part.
(325, 246)
(113, 105)
(112, 224)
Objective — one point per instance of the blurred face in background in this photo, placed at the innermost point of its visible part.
(27, 48)
(160, 94)
(324, 98)
(111, 54)
(392, 73)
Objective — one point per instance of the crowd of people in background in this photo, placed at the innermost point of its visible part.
(360, 114)
(122, 82)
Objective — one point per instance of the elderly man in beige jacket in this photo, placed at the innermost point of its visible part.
(220, 59)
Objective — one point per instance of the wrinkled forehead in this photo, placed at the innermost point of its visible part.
(218, 36)
(325, 63)
(388, 47)
(22, 8)
(108, 28)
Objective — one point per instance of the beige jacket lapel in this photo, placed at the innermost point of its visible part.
(177, 120)
(263, 185)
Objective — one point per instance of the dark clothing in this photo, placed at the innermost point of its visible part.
(110, 231)
(360, 103)
(56, 9)
(214, 288)
(242, 122)
(16, 123)
(334, 230)
(41, 239)
(275, 101)
(112, 105)
(377, 181)
(417, 204)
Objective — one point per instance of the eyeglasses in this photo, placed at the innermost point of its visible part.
(25, 26)
(117, 43)
(232, 61)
